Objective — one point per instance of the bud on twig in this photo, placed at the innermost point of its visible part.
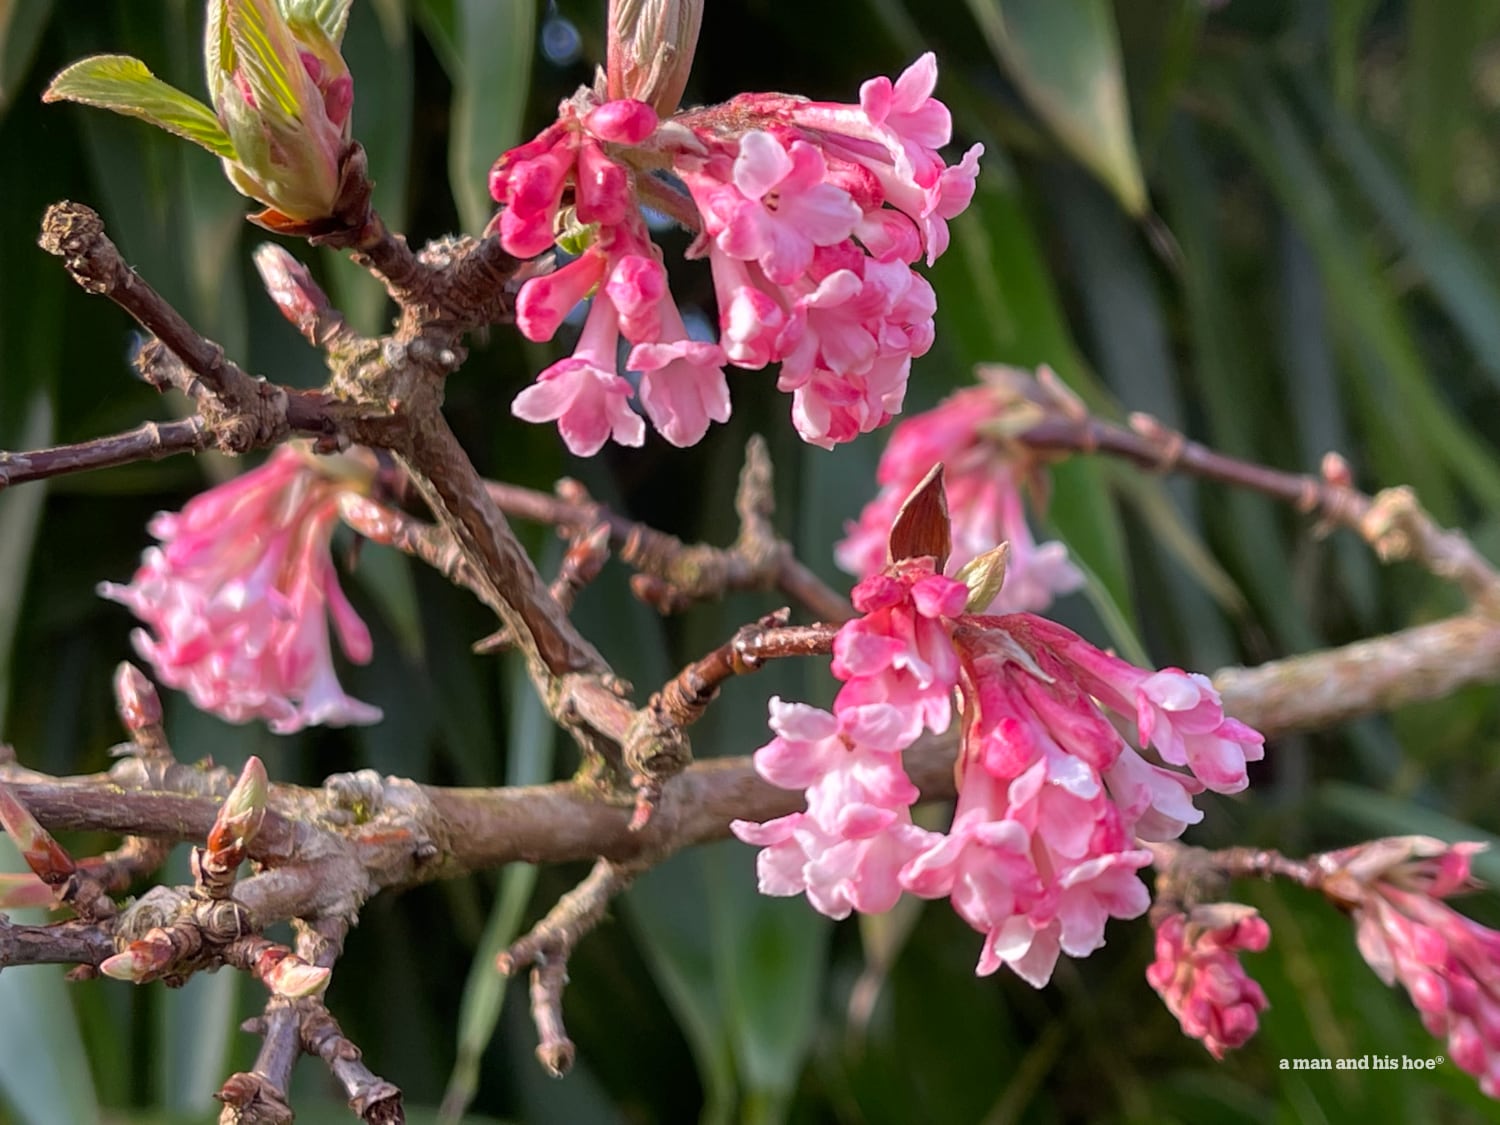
(282, 99)
(243, 811)
(650, 52)
(239, 819)
(286, 974)
(141, 961)
(298, 297)
(136, 700)
(44, 855)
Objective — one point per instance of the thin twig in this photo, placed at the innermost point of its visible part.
(1392, 522)
(547, 947)
(149, 442)
(676, 573)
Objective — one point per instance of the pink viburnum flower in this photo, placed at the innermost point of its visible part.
(238, 596)
(1197, 973)
(811, 217)
(1053, 801)
(1448, 964)
(983, 479)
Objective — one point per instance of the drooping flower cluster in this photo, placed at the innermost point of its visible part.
(984, 481)
(1448, 964)
(238, 597)
(1198, 974)
(1052, 800)
(811, 215)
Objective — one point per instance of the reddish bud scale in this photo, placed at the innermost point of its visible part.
(44, 855)
(136, 699)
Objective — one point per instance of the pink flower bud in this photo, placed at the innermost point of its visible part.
(624, 122)
(1197, 973)
(136, 699)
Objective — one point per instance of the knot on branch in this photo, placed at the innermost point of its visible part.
(654, 750)
(75, 233)
(252, 1099)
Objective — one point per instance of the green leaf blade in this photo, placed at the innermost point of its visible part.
(1066, 59)
(124, 85)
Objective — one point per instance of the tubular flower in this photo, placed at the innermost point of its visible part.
(1198, 974)
(811, 215)
(1448, 964)
(983, 479)
(238, 596)
(1052, 799)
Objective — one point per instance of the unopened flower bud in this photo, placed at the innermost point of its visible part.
(651, 45)
(283, 94)
(298, 297)
(292, 977)
(140, 961)
(136, 699)
(984, 576)
(44, 855)
(243, 811)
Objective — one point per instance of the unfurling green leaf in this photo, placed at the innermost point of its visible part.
(331, 15)
(123, 84)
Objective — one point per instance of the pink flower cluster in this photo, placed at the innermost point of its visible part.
(1198, 974)
(1042, 850)
(1448, 964)
(239, 594)
(983, 485)
(811, 214)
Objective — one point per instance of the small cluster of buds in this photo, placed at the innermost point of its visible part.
(1448, 964)
(1198, 974)
(810, 213)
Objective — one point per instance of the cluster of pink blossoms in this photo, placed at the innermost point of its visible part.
(1448, 964)
(1051, 799)
(983, 483)
(1198, 974)
(239, 595)
(811, 214)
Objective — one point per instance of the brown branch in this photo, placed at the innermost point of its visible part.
(481, 829)
(1392, 522)
(371, 1097)
(547, 947)
(149, 442)
(1319, 689)
(75, 233)
(676, 574)
(62, 943)
(443, 474)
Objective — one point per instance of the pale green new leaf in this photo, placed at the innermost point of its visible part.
(124, 85)
(261, 46)
(331, 15)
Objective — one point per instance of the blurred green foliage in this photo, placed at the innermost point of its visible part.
(1270, 223)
